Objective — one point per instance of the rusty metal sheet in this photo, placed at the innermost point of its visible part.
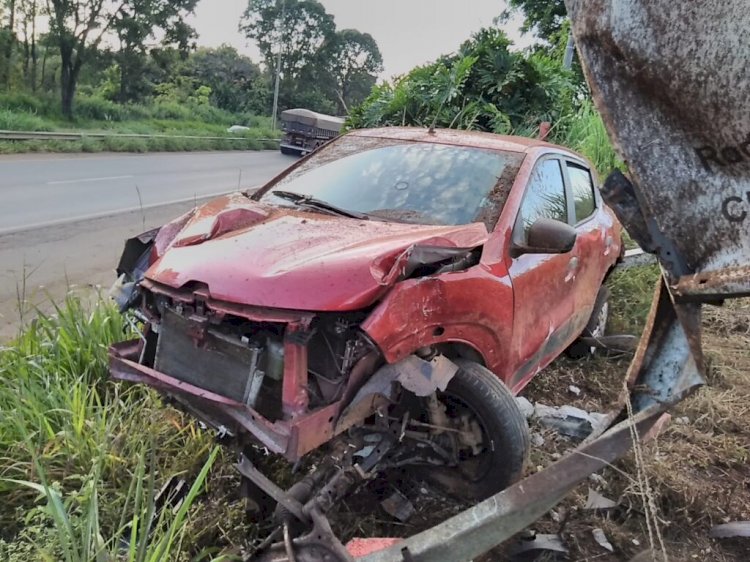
(671, 81)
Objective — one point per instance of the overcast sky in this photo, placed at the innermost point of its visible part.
(408, 32)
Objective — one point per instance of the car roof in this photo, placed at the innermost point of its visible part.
(457, 137)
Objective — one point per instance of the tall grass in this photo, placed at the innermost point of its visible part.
(22, 112)
(584, 132)
(79, 442)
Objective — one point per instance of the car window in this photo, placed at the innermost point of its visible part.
(545, 196)
(417, 182)
(583, 191)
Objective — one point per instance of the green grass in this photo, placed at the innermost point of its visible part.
(81, 456)
(21, 112)
(584, 132)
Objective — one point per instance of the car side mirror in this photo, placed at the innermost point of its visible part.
(547, 236)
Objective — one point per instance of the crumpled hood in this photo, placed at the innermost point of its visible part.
(249, 253)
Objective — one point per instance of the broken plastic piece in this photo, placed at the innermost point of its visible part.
(602, 540)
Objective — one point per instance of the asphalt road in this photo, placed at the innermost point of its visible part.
(37, 190)
(64, 219)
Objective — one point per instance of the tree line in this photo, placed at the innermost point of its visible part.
(139, 51)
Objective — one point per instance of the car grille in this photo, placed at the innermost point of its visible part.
(220, 364)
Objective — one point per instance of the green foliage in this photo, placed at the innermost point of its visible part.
(584, 132)
(75, 441)
(351, 60)
(632, 292)
(234, 79)
(545, 17)
(18, 121)
(299, 28)
(485, 86)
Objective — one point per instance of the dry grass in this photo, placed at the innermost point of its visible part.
(697, 468)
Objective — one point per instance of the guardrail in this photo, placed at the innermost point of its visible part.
(73, 136)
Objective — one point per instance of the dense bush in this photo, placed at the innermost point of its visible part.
(484, 86)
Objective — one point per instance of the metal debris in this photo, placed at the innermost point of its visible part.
(602, 540)
(526, 407)
(568, 420)
(597, 501)
(398, 506)
(729, 530)
(549, 542)
(537, 440)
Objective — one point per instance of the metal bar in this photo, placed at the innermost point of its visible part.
(248, 470)
(496, 519)
(718, 284)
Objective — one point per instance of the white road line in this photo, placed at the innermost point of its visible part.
(60, 182)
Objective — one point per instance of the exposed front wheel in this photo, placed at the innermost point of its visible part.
(491, 437)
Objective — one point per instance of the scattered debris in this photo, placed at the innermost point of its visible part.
(599, 479)
(729, 530)
(526, 407)
(597, 501)
(396, 505)
(684, 420)
(568, 420)
(537, 440)
(550, 543)
(574, 389)
(602, 540)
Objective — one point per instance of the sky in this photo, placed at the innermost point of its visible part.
(408, 32)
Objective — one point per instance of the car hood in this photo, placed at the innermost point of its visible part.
(248, 253)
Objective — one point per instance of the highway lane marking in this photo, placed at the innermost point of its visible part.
(61, 182)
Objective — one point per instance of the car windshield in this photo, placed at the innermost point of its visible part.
(416, 182)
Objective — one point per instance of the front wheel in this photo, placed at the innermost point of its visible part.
(477, 402)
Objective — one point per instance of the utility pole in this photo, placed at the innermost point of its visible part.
(278, 64)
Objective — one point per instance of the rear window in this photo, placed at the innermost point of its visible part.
(583, 191)
(414, 182)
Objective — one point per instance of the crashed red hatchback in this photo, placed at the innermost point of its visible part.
(384, 297)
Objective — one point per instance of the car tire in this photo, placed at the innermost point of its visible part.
(596, 326)
(504, 456)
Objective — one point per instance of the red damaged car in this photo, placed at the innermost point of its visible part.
(384, 299)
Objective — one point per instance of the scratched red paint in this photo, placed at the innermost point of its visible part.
(515, 313)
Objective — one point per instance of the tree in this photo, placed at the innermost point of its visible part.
(29, 11)
(546, 17)
(78, 27)
(232, 77)
(484, 86)
(352, 60)
(135, 22)
(295, 29)
(7, 41)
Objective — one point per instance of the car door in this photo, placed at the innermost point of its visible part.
(593, 240)
(543, 296)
